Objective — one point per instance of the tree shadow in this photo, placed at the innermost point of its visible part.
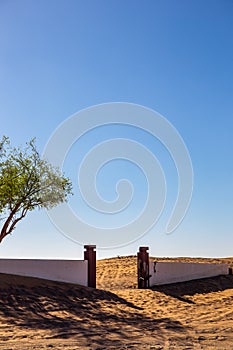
(72, 311)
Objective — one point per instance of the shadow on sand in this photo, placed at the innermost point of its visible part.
(72, 311)
(201, 286)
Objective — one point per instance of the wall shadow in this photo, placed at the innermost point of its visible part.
(200, 286)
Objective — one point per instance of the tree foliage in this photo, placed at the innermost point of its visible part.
(27, 182)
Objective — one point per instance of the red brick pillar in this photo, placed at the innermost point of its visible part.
(90, 256)
(143, 268)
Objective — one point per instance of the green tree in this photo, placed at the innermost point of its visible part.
(27, 182)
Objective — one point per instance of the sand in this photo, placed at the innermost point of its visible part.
(38, 314)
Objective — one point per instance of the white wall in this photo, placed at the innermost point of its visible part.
(172, 272)
(72, 271)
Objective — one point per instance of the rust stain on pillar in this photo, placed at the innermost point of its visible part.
(90, 255)
(143, 268)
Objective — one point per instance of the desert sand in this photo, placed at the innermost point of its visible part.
(39, 314)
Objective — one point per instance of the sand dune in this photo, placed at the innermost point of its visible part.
(38, 314)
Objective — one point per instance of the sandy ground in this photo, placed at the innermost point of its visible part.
(37, 314)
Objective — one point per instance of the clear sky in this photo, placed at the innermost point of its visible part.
(175, 57)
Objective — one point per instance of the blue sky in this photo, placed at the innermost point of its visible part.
(176, 57)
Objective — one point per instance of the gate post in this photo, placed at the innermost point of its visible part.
(90, 256)
(143, 268)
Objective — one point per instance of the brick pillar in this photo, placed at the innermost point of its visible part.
(143, 268)
(90, 255)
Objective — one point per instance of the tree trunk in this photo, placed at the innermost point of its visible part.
(4, 231)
